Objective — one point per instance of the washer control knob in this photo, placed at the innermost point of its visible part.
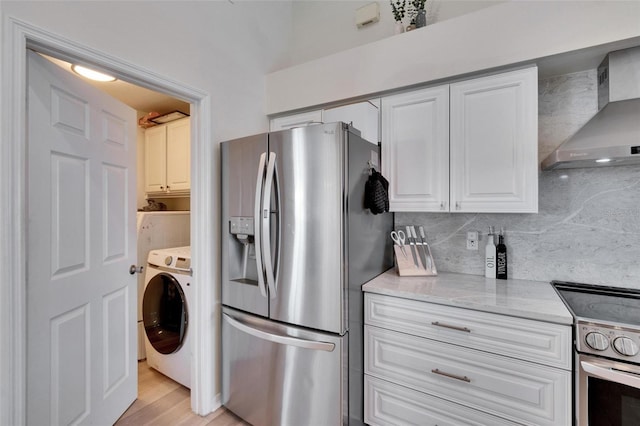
(597, 341)
(168, 260)
(625, 346)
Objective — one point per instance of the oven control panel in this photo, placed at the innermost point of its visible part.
(609, 341)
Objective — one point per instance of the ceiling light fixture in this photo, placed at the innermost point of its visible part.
(603, 160)
(91, 74)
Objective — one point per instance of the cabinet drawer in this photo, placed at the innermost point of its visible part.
(530, 340)
(390, 404)
(517, 390)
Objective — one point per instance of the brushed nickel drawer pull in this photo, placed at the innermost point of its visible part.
(453, 376)
(453, 327)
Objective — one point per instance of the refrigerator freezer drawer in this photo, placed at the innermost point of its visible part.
(282, 375)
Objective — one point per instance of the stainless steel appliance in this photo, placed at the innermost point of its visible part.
(297, 246)
(612, 136)
(607, 353)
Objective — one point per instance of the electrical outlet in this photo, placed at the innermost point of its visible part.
(472, 240)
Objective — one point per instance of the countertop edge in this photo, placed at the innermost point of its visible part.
(470, 295)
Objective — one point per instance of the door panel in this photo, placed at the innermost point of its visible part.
(115, 183)
(310, 181)
(81, 299)
(69, 214)
(70, 367)
(116, 367)
(267, 382)
(240, 163)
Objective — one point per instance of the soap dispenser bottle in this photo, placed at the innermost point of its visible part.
(490, 255)
(501, 257)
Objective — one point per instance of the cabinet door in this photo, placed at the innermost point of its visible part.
(155, 159)
(296, 120)
(362, 115)
(415, 149)
(494, 143)
(178, 155)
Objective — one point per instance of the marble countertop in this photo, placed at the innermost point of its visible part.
(519, 298)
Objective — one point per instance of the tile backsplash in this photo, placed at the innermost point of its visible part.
(588, 225)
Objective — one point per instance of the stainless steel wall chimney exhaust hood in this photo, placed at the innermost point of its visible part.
(612, 136)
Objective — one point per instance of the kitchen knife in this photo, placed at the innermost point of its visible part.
(415, 239)
(412, 244)
(426, 261)
(432, 267)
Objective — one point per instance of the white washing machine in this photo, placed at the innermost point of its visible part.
(165, 312)
(157, 230)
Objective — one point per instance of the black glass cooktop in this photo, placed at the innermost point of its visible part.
(600, 303)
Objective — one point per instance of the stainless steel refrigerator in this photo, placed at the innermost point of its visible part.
(297, 247)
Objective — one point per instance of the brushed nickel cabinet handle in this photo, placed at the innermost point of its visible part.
(452, 376)
(453, 327)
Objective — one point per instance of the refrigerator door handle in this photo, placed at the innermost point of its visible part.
(266, 225)
(257, 222)
(277, 338)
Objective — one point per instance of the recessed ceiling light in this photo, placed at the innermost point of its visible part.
(91, 74)
(603, 160)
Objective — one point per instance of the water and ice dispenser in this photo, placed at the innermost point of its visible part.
(242, 251)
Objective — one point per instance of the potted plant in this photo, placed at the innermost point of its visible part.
(419, 16)
(398, 7)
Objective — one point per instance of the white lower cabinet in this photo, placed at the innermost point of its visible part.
(411, 379)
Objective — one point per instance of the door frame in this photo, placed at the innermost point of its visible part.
(17, 37)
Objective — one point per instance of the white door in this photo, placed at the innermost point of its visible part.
(81, 299)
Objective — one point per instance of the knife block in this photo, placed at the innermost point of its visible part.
(406, 266)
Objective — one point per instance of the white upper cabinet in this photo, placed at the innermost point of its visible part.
(296, 120)
(155, 159)
(167, 158)
(466, 147)
(494, 143)
(364, 116)
(179, 156)
(415, 149)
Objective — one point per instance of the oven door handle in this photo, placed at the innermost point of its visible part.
(611, 374)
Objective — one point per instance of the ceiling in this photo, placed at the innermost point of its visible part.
(141, 99)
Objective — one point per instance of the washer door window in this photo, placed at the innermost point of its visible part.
(164, 313)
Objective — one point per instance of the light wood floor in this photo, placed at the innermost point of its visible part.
(161, 401)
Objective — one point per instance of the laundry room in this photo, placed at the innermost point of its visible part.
(163, 264)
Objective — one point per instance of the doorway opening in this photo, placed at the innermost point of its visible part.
(21, 37)
(162, 149)
(162, 174)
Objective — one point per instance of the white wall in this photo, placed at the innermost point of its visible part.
(514, 32)
(322, 28)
